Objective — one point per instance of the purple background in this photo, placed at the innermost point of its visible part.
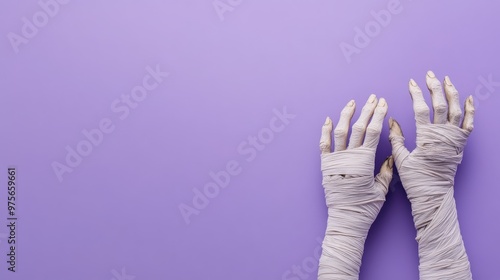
(120, 207)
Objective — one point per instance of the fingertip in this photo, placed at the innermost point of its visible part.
(394, 129)
(470, 100)
(415, 91)
(327, 127)
(325, 141)
(382, 102)
(412, 83)
(469, 106)
(328, 121)
(468, 122)
(430, 79)
(372, 98)
(447, 81)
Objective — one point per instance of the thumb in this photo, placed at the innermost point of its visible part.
(399, 151)
(383, 179)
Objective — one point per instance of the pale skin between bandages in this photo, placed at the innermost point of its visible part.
(353, 196)
(428, 172)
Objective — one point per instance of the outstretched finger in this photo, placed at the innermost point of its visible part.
(359, 127)
(419, 106)
(342, 129)
(455, 112)
(375, 127)
(399, 151)
(325, 143)
(468, 123)
(438, 101)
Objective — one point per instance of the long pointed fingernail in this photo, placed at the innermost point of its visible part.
(391, 122)
(412, 83)
(382, 102)
(447, 81)
(328, 121)
(372, 98)
(430, 74)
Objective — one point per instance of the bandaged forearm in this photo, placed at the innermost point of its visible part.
(354, 199)
(428, 176)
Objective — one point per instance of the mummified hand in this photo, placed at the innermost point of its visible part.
(428, 173)
(353, 196)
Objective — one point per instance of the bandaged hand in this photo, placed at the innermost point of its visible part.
(428, 173)
(353, 195)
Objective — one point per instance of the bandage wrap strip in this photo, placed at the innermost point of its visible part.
(354, 199)
(428, 176)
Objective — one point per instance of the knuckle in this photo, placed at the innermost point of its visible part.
(440, 109)
(421, 110)
(470, 110)
(436, 87)
(453, 94)
(358, 128)
(367, 109)
(455, 119)
(469, 127)
(339, 133)
(346, 113)
(381, 111)
(324, 146)
(373, 130)
(455, 113)
(416, 92)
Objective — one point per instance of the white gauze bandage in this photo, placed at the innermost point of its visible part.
(354, 199)
(428, 175)
(353, 196)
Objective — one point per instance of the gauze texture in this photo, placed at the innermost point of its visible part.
(428, 176)
(354, 198)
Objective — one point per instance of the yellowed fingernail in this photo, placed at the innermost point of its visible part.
(351, 103)
(447, 81)
(412, 83)
(430, 74)
(382, 102)
(372, 98)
